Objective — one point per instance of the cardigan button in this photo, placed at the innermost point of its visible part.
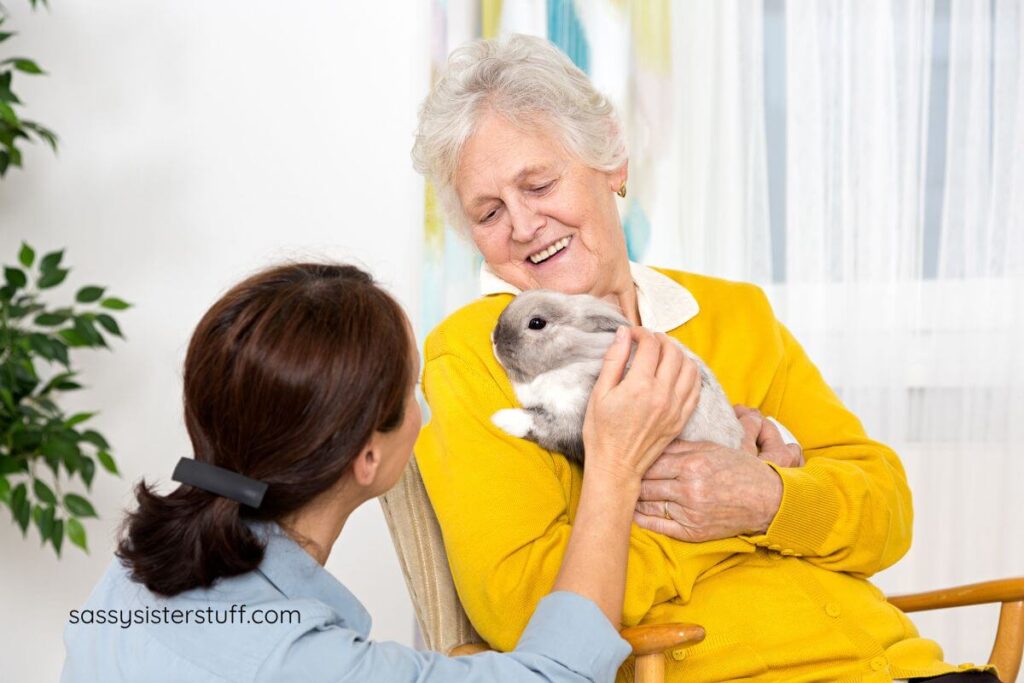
(679, 655)
(832, 609)
(879, 663)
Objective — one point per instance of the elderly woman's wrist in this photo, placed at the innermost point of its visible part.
(771, 501)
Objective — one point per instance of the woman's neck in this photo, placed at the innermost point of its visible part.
(317, 526)
(624, 295)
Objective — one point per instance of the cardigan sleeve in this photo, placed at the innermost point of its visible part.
(849, 507)
(505, 512)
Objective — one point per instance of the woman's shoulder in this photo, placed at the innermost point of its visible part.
(723, 304)
(466, 333)
(714, 290)
(223, 632)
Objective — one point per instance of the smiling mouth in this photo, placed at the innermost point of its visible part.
(544, 254)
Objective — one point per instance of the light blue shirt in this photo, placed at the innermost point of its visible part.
(321, 633)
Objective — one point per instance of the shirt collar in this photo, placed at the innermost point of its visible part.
(663, 303)
(297, 575)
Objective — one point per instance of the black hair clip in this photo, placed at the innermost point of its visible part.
(220, 481)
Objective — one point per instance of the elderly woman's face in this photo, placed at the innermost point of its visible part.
(540, 217)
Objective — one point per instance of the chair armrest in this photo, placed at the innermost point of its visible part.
(1003, 590)
(656, 638)
(645, 640)
(1009, 644)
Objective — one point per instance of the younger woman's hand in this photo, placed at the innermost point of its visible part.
(630, 420)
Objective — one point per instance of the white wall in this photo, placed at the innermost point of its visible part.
(199, 142)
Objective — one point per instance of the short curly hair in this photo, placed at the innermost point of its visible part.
(528, 81)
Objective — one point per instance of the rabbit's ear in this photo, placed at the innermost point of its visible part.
(603, 322)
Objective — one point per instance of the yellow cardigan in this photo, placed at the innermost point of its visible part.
(792, 604)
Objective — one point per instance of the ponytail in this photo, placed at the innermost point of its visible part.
(186, 539)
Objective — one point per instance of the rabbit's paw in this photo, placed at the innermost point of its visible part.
(515, 421)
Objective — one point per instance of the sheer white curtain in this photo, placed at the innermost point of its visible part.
(710, 211)
(898, 239)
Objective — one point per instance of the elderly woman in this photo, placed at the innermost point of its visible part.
(769, 554)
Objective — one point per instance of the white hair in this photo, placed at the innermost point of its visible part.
(528, 81)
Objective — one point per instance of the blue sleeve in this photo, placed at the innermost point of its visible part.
(568, 640)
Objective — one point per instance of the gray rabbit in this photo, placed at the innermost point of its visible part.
(552, 345)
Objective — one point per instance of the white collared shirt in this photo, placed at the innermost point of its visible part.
(663, 303)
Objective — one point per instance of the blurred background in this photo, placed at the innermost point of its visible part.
(862, 161)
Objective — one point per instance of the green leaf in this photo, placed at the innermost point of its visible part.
(9, 465)
(109, 324)
(43, 492)
(27, 255)
(5, 35)
(52, 319)
(7, 114)
(73, 338)
(115, 304)
(56, 381)
(7, 398)
(5, 487)
(23, 515)
(6, 95)
(108, 462)
(73, 462)
(44, 520)
(45, 133)
(96, 439)
(60, 351)
(78, 506)
(15, 277)
(60, 447)
(57, 535)
(5, 161)
(86, 327)
(78, 418)
(24, 65)
(76, 533)
(42, 345)
(87, 470)
(20, 507)
(86, 295)
(52, 278)
(51, 261)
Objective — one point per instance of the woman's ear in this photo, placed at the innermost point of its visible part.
(619, 176)
(366, 465)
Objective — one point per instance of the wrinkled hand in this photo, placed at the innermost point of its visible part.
(767, 442)
(700, 491)
(630, 420)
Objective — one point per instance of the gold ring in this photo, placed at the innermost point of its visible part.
(667, 516)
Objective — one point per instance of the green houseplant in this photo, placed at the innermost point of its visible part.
(45, 453)
(13, 128)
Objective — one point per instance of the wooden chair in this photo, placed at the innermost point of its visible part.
(446, 628)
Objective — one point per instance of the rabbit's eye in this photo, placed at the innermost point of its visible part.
(537, 323)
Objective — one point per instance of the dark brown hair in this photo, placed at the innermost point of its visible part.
(286, 378)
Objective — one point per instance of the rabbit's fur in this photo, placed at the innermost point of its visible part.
(554, 361)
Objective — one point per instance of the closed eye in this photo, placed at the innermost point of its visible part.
(541, 189)
(489, 216)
